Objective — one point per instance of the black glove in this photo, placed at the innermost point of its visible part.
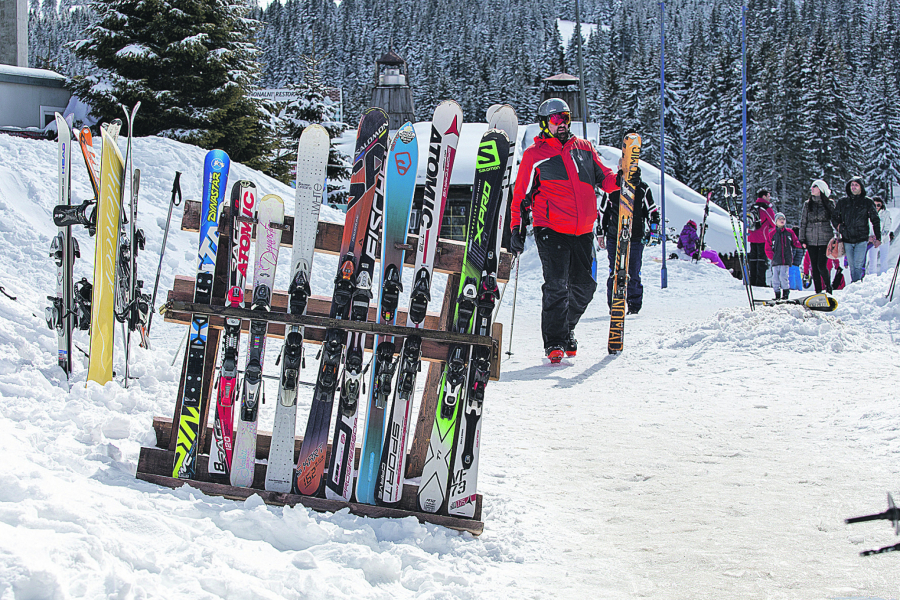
(891, 235)
(517, 241)
(635, 177)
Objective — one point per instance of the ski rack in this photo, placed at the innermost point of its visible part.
(155, 464)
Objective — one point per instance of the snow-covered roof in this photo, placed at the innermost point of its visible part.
(12, 74)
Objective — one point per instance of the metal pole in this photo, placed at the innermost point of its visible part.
(584, 115)
(512, 322)
(664, 272)
(176, 201)
(744, 113)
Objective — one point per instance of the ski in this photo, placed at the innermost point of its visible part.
(112, 172)
(339, 484)
(86, 142)
(400, 184)
(464, 481)
(349, 287)
(243, 209)
(215, 180)
(631, 154)
(445, 126)
(490, 167)
(63, 251)
(269, 218)
(818, 302)
(312, 160)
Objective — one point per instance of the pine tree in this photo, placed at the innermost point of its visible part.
(312, 105)
(189, 62)
(883, 141)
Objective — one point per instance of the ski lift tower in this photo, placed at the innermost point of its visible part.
(392, 91)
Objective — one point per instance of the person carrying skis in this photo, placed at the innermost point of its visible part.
(851, 218)
(762, 224)
(555, 184)
(780, 250)
(689, 241)
(816, 231)
(608, 232)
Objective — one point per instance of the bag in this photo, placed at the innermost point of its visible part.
(753, 215)
(835, 249)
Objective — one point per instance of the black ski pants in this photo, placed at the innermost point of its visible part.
(634, 296)
(759, 264)
(819, 262)
(569, 284)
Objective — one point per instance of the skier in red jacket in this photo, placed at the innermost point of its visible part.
(555, 185)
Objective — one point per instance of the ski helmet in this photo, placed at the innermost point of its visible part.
(548, 107)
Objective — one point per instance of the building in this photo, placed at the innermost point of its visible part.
(392, 91)
(29, 97)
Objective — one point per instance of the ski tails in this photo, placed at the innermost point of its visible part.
(631, 154)
(312, 160)
(400, 184)
(112, 172)
(215, 180)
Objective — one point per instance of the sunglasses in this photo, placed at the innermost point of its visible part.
(562, 118)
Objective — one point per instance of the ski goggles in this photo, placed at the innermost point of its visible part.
(561, 118)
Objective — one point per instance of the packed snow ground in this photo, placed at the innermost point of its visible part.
(715, 458)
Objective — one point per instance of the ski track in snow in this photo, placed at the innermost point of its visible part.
(716, 457)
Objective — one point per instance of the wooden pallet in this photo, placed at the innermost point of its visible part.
(155, 466)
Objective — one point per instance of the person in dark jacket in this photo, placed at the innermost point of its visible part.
(556, 182)
(816, 231)
(689, 241)
(851, 218)
(645, 211)
(759, 236)
(780, 250)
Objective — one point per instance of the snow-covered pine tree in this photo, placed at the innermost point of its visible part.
(189, 62)
(313, 105)
(883, 140)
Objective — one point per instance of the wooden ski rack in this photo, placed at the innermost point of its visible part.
(155, 464)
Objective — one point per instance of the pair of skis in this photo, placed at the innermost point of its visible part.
(631, 154)
(449, 476)
(729, 191)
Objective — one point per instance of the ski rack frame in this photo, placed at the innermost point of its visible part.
(155, 464)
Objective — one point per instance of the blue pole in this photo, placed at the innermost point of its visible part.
(744, 112)
(664, 273)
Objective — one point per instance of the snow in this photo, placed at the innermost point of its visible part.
(567, 30)
(716, 457)
(29, 72)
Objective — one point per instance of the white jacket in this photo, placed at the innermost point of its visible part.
(886, 227)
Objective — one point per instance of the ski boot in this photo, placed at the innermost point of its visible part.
(571, 345)
(555, 354)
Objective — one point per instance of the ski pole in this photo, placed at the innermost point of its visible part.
(503, 292)
(180, 344)
(512, 322)
(890, 294)
(176, 192)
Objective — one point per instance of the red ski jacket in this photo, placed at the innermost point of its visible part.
(559, 179)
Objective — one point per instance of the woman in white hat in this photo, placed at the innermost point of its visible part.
(816, 231)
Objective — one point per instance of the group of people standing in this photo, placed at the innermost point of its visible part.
(858, 223)
(556, 189)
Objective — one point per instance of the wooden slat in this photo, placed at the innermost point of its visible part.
(448, 258)
(155, 464)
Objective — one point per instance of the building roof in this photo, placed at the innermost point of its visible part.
(390, 58)
(562, 78)
(25, 75)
